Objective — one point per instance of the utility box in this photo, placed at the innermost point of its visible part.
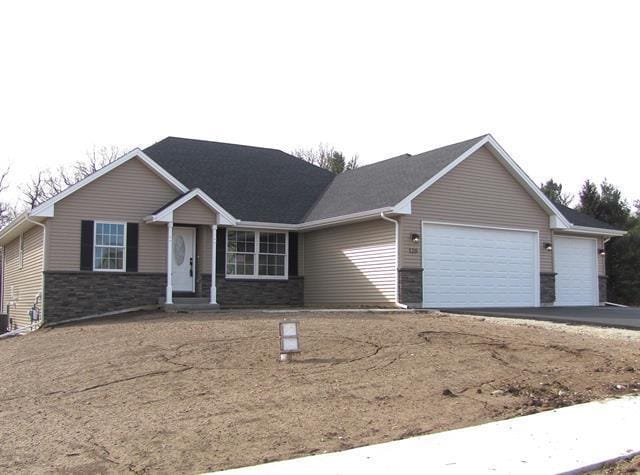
(4, 323)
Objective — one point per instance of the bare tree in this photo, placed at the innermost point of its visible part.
(7, 210)
(327, 157)
(46, 183)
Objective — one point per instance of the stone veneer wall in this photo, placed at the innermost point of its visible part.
(547, 288)
(256, 292)
(410, 287)
(602, 288)
(79, 294)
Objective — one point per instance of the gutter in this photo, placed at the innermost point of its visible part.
(44, 253)
(397, 246)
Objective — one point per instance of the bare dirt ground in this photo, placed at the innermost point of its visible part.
(623, 467)
(186, 393)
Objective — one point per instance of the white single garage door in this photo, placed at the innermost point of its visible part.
(576, 267)
(468, 266)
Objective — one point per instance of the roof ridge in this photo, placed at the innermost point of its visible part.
(286, 154)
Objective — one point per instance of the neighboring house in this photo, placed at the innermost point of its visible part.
(458, 226)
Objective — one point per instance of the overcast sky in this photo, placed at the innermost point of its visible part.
(557, 83)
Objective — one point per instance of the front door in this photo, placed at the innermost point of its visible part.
(183, 268)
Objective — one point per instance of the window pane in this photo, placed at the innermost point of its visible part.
(109, 246)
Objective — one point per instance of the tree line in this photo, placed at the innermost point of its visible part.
(605, 202)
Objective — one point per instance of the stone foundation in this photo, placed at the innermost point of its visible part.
(602, 288)
(79, 294)
(255, 292)
(410, 287)
(547, 288)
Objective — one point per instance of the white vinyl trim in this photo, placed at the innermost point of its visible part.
(595, 285)
(536, 276)
(599, 231)
(462, 225)
(46, 209)
(165, 215)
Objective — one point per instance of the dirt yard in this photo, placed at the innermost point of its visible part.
(187, 393)
(623, 467)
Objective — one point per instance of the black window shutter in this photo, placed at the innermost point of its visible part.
(293, 254)
(132, 247)
(86, 245)
(221, 246)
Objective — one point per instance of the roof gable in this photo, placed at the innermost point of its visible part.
(47, 209)
(165, 213)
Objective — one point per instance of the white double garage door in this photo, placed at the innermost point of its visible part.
(470, 266)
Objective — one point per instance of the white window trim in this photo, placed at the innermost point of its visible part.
(21, 252)
(124, 247)
(256, 253)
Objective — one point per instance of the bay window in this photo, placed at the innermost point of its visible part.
(257, 254)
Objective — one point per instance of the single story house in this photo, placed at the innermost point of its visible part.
(459, 226)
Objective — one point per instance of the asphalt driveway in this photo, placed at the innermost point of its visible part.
(617, 317)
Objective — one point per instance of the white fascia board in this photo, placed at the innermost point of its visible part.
(156, 218)
(597, 231)
(374, 213)
(166, 214)
(46, 209)
(267, 226)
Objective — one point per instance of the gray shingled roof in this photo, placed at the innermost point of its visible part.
(251, 183)
(580, 219)
(267, 185)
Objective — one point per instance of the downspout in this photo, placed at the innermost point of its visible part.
(397, 279)
(44, 251)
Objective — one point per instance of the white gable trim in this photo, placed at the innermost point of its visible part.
(557, 220)
(165, 215)
(47, 209)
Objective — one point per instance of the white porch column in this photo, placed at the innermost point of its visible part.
(169, 297)
(214, 232)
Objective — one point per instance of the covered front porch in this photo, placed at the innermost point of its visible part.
(191, 222)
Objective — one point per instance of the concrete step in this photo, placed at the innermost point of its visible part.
(185, 300)
(190, 307)
(190, 300)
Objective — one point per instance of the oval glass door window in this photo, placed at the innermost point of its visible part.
(179, 250)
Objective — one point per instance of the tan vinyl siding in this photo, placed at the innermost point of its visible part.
(128, 193)
(26, 281)
(204, 249)
(479, 191)
(194, 211)
(350, 265)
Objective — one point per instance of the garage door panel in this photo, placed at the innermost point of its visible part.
(576, 271)
(474, 267)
